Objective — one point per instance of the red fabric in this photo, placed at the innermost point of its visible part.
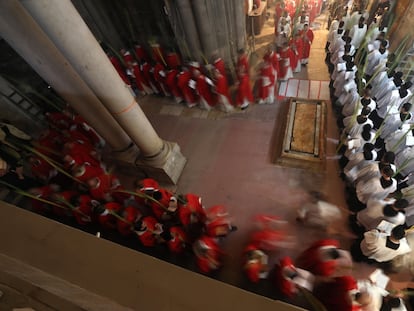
(141, 53)
(157, 53)
(179, 240)
(310, 259)
(159, 69)
(244, 90)
(80, 153)
(120, 69)
(86, 171)
(106, 219)
(148, 237)
(147, 71)
(41, 169)
(222, 87)
(130, 215)
(285, 285)
(83, 213)
(171, 82)
(173, 60)
(243, 64)
(307, 39)
(220, 66)
(159, 208)
(285, 54)
(266, 73)
(105, 190)
(268, 239)
(209, 259)
(218, 222)
(189, 94)
(192, 210)
(335, 295)
(252, 268)
(128, 58)
(204, 90)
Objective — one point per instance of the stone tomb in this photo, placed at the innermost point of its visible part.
(302, 133)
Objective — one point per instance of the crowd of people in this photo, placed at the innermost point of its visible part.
(160, 72)
(69, 180)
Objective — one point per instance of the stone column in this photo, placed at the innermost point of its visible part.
(19, 29)
(189, 26)
(66, 28)
(205, 30)
(240, 21)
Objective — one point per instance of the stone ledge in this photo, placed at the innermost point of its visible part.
(24, 286)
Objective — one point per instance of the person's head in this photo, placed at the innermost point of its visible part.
(363, 298)
(240, 51)
(388, 157)
(406, 108)
(387, 172)
(401, 204)
(389, 211)
(403, 92)
(394, 302)
(361, 119)
(333, 253)
(398, 232)
(341, 24)
(366, 132)
(361, 21)
(93, 182)
(365, 111)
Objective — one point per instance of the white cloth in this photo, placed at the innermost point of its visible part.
(372, 189)
(374, 247)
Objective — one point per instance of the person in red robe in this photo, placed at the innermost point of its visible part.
(130, 215)
(243, 63)
(307, 38)
(218, 222)
(219, 64)
(78, 153)
(148, 231)
(84, 209)
(106, 218)
(244, 91)
(297, 48)
(187, 86)
(160, 75)
(41, 169)
(146, 187)
(140, 81)
(266, 84)
(284, 273)
(279, 8)
(320, 258)
(255, 263)
(203, 86)
(141, 53)
(173, 60)
(208, 254)
(119, 68)
(107, 188)
(161, 203)
(86, 171)
(158, 53)
(191, 214)
(171, 83)
(127, 57)
(285, 67)
(179, 240)
(222, 90)
(338, 294)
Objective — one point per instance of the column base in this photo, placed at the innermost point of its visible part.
(167, 166)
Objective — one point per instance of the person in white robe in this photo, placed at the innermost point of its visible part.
(377, 188)
(357, 33)
(394, 121)
(390, 210)
(382, 247)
